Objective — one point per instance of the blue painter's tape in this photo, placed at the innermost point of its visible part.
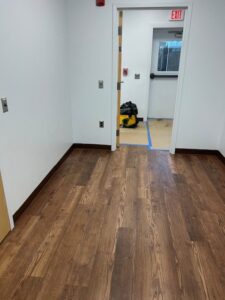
(149, 136)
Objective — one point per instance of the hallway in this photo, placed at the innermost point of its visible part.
(133, 224)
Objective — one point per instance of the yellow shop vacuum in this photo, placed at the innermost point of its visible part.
(128, 115)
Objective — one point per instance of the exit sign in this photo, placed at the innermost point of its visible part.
(177, 15)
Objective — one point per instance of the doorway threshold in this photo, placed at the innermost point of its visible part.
(150, 142)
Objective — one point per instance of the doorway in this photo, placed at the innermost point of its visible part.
(137, 74)
(4, 217)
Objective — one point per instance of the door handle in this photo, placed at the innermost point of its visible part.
(153, 76)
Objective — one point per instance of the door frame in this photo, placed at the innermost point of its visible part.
(187, 24)
(4, 213)
(119, 75)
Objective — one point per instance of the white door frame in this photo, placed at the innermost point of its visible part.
(187, 25)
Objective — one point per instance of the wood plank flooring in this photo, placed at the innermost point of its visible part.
(129, 225)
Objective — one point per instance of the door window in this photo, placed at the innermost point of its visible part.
(169, 56)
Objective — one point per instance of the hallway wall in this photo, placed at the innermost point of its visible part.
(36, 131)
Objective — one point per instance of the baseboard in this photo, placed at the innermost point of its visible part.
(196, 151)
(201, 151)
(28, 201)
(92, 146)
(221, 157)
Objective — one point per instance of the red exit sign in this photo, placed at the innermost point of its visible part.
(177, 15)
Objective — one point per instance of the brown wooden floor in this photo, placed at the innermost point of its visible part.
(133, 224)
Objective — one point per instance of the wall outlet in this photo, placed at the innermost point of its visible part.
(137, 76)
(101, 124)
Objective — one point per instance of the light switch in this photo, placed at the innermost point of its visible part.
(100, 84)
(4, 105)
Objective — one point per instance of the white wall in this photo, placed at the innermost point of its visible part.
(90, 39)
(162, 91)
(137, 53)
(203, 92)
(37, 130)
(91, 60)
